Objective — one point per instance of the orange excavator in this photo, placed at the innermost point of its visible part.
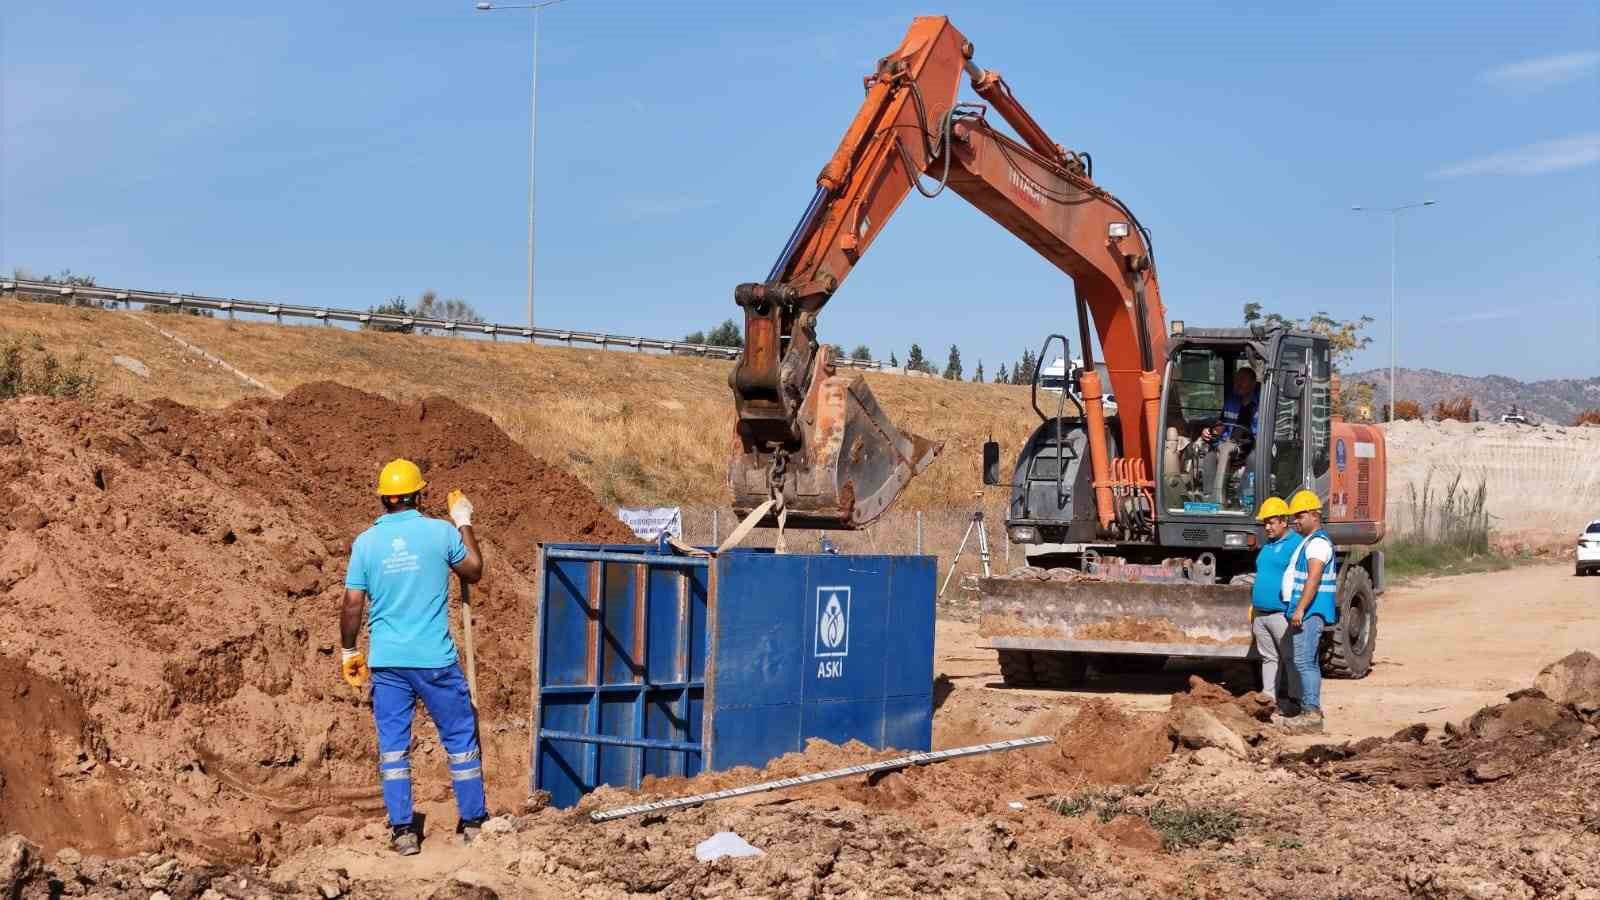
(1154, 505)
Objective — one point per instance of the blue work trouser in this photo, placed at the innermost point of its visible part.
(1307, 641)
(444, 693)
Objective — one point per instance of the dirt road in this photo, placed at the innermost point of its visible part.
(1446, 646)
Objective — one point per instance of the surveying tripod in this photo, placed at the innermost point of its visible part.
(976, 524)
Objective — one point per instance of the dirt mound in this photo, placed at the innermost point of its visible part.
(1105, 744)
(1495, 743)
(179, 572)
(1245, 714)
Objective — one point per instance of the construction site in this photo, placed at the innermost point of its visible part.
(922, 637)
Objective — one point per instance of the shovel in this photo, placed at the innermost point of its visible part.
(472, 656)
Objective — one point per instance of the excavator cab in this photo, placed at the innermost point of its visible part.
(1246, 416)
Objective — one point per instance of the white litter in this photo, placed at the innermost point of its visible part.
(1016, 804)
(724, 843)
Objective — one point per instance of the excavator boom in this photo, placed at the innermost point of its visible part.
(813, 440)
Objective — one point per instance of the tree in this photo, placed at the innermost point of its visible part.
(428, 306)
(914, 359)
(977, 377)
(695, 337)
(1022, 372)
(894, 363)
(952, 366)
(1344, 336)
(837, 350)
(394, 306)
(861, 353)
(64, 278)
(1001, 377)
(728, 334)
(1357, 403)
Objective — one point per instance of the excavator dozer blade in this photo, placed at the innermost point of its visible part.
(1063, 611)
(851, 465)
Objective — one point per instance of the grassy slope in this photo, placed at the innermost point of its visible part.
(637, 428)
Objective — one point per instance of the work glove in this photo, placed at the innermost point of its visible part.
(460, 509)
(353, 666)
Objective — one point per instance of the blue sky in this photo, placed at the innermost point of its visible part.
(342, 153)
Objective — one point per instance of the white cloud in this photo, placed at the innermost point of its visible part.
(1532, 159)
(1546, 71)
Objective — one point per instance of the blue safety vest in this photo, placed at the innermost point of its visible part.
(1326, 602)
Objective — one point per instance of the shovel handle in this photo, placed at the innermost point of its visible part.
(466, 628)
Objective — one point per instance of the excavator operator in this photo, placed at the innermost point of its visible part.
(1232, 438)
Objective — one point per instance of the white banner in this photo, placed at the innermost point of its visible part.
(650, 524)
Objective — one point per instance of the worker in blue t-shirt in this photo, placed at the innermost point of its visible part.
(403, 564)
(1269, 619)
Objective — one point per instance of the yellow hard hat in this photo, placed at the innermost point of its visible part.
(399, 478)
(1304, 500)
(1272, 506)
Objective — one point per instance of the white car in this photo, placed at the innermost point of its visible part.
(1589, 549)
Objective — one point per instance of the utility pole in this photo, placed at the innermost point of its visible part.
(1394, 310)
(533, 126)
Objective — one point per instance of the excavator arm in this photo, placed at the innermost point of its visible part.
(815, 441)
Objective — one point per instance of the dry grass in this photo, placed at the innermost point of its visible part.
(639, 429)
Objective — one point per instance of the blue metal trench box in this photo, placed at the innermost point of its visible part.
(651, 663)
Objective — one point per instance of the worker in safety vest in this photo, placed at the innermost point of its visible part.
(1269, 616)
(1232, 438)
(1310, 591)
(403, 564)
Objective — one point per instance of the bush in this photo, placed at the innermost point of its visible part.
(1183, 825)
(1180, 825)
(1403, 410)
(27, 368)
(1588, 417)
(1445, 531)
(1457, 408)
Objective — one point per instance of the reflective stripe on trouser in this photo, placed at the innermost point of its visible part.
(444, 693)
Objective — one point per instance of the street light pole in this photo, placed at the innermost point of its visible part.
(533, 127)
(1394, 309)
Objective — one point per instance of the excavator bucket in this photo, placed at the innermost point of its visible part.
(851, 464)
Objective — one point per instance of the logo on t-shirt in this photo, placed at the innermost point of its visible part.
(400, 559)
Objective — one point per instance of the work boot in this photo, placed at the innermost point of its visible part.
(469, 829)
(405, 840)
(1309, 721)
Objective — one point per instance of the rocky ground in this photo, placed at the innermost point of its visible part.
(1501, 805)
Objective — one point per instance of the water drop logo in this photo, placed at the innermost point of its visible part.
(833, 621)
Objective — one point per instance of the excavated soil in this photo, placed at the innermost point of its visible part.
(170, 582)
(169, 591)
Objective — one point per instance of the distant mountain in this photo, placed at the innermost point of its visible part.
(1556, 401)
